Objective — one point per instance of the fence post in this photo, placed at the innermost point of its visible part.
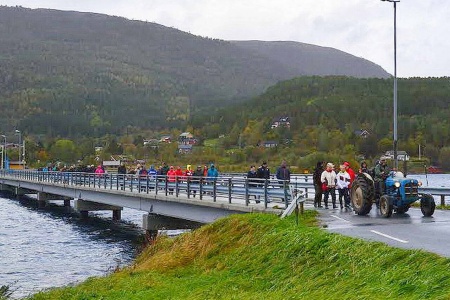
(214, 189)
(229, 190)
(201, 188)
(285, 194)
(188, 182)
(166, 185)
(246, 192)
(177, 179)
(442, 200)
(266, 184)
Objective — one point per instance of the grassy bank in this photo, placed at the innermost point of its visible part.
(256, 256)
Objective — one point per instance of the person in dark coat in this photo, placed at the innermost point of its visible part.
(283, 174)
(252, 177)
(197, 178)
(318, 184)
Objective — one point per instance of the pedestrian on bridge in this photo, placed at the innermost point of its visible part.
(263, 172)
(283, 174)
(197, 178)
(252, 179)
(318, 183)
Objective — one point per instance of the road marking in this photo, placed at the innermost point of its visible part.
(339, 218)
(390, 237)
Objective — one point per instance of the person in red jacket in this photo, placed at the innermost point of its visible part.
(171, 178)
(350, 172)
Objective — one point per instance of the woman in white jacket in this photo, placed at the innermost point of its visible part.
(328, 180)
(342, 184)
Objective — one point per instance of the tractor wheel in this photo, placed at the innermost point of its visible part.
(362, 194)
(386, 206)
(427, 205)
(402, 209)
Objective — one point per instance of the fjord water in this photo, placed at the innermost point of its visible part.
(53, 246)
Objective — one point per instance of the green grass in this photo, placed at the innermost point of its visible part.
(257, 256)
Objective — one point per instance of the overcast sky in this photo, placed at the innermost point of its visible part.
(361, 27)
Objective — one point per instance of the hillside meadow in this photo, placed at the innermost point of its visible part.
(256, 256)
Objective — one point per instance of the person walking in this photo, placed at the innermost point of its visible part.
(342, 184)
(252, 179)
(197, 178)
(171, 179)
(263, 174)
(122, 169)
(283, 174)
(318, 184)
(350, 172)
(328, 179)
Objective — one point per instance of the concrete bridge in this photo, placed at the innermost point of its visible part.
(166, 204)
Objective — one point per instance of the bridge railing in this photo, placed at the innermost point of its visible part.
(233, 188)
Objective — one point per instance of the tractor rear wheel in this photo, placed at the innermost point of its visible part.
(386, 206)
(427, 205)
(362, 194)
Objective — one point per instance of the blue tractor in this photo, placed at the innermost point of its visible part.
(399, 194)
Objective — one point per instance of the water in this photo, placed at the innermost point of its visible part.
(51, 247)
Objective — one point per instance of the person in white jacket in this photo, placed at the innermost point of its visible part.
(342, 183)
(328, 180)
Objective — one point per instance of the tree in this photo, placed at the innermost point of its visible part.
(65, 151)
(444, 158)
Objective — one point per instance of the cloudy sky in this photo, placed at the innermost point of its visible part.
(361, 27)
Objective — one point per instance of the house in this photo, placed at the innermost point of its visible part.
(281, 122)
(184, 149)
(269, 144)
(362, 133)
(186, 138)
(152, 143)
(166, 139)
(401, 155)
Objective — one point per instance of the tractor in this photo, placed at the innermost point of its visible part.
(398, 195)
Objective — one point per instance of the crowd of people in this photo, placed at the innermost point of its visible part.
(327, 181)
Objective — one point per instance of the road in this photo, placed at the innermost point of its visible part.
(410, 230)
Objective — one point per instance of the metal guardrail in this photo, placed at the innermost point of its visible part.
(228, 187)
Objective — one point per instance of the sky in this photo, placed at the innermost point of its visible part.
(364, 28)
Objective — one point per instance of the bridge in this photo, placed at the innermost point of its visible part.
(166, 203)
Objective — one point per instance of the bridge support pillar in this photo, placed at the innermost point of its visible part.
(43, 198)
(153, 222)
(84, 206)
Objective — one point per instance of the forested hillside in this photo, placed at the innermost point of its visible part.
(76, 74)
(328, 114)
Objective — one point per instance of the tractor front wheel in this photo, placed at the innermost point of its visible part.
(386, 206)
(427, 205)
(362, 194)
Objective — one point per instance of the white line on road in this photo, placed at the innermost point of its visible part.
(389, 237)
(339, 218)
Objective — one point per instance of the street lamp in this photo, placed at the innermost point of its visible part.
(395, 80)
(20, 142)
(4, 151)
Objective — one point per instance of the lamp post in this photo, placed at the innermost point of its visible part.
(395, 80)
(4, 151)
(20, 143)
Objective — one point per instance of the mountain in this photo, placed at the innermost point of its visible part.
(307, 59)
(85, 74)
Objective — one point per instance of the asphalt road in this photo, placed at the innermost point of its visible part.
(410, 230)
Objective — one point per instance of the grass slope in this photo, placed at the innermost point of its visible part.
(256, 256)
